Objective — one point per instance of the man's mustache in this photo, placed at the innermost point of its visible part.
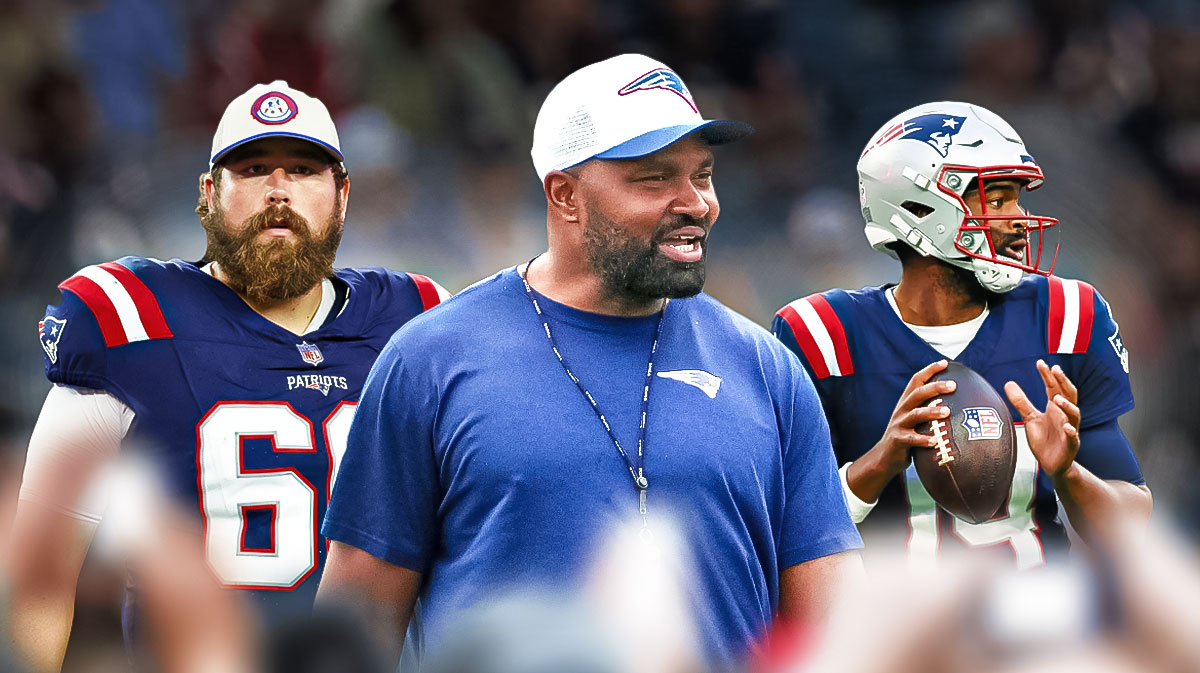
(277, 216)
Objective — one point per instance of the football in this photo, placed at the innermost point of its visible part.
(970, 471)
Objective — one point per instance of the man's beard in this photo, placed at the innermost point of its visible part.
(277, 269)
(636, 272)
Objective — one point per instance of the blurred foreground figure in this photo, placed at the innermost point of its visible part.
(236, 376)
(940, 186)
(501, 438)
(1136, 611)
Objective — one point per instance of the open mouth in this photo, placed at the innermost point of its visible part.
(684, 245)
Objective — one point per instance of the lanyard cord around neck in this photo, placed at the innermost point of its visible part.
(637, 472)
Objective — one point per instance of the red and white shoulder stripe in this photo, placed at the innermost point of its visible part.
(1072, 309)
(124, 307)
(431, 292)
(821, 335)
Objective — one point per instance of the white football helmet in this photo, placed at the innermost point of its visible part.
(912, 177)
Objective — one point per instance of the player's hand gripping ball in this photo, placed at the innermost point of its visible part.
(970, 471)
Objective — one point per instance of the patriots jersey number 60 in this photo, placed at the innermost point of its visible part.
(230, 493)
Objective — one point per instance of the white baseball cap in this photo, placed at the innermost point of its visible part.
(620, 108)
(274, 109)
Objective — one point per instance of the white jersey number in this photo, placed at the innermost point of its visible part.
(229, 492)
(1016, 530)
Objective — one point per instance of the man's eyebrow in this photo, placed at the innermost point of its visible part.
(652, 162)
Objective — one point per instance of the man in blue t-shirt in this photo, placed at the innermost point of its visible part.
(499, 441)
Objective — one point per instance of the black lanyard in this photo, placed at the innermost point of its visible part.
(637, 472)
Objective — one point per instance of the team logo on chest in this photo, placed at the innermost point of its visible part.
(318, 382)
(310, 353)
(981, 423)
(49, 332)
(698, 378)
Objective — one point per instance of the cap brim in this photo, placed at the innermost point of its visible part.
(714, 132)
(333, 151)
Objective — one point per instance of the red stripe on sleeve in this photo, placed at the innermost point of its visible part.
(427, 290)
(837, 333)
(1087, 311)
(147, 306)
(1057, 315)
(100, 306)
(807, 345)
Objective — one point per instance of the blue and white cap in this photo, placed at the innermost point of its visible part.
(620, 108)
(274, 109)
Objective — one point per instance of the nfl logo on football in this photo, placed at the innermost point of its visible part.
(981, 423)
(310, 353)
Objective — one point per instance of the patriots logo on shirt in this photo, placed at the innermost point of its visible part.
(49, 332)
(698, 378)
(981, 423)
(935, 130)
(662, 78)
(1119, 346)
(310, 353)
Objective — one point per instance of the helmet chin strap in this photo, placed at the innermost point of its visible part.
(995, 277)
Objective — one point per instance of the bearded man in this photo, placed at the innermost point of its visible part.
(237, 376)
(500, 440)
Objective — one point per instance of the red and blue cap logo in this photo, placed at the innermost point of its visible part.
(274, 108)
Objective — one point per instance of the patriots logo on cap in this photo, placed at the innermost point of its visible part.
(935, 130)
(660, 78)
(49, 332)
(274, 108)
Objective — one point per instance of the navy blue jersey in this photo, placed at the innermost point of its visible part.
(862, 356)
(245, 421)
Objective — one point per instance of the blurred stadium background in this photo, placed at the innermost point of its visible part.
(107, 111)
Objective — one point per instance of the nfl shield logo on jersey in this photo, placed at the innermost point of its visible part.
(49, 332)
(981, 423)
(310, 353)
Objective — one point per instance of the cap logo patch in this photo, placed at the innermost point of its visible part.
(274, 108)
(660, 78)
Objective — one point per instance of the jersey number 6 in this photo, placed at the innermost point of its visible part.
(229, 492)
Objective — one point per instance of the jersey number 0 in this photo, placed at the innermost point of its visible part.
(229, 492)
(1017, 529)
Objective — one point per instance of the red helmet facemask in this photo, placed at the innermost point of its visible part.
(1033, 227)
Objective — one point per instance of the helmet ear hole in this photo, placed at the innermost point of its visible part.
(918, 210)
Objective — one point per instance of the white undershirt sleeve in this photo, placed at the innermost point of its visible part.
(858, 509)
(78, 432)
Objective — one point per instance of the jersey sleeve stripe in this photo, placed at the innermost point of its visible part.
(1072, 308)
(1055, 319)
(1087, 311)
(149, 311)
(101, 307)
(841, 347)
(431, 293)
(807, 345)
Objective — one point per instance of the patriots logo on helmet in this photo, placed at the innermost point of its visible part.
(935, 130)
(661, 78)
(49, 332)
(274, 108)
